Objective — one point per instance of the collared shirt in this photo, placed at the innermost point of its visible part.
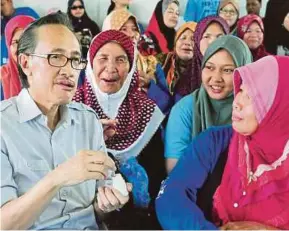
(29, 150)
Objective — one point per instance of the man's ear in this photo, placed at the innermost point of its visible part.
(24, 62)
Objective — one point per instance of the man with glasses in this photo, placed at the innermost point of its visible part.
(52, 151)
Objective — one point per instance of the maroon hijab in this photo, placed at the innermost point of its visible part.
(242, 27)
(188, 85)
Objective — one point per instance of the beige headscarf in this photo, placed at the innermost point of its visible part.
(235, 3)
(114, 21)
(117, 18)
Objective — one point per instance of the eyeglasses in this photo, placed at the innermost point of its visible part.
(76, 7)
(229, 12)
(60, 60)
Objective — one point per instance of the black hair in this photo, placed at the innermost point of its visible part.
(28, 41)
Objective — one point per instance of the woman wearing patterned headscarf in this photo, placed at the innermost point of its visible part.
(251, 29)
(111, 89)
(175, 70)
(212, 103)
(160, 33)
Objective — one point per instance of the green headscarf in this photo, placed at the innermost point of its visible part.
(210, 112)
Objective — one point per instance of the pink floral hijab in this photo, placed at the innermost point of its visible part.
(256, 176)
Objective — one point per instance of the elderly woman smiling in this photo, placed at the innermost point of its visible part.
(237, 178)
(111, 89)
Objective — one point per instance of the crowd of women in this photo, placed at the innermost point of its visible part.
(196, 117)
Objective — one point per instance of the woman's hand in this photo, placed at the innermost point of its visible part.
(109, 128)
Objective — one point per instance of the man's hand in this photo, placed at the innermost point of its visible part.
(86, 165)
(246, 225)
(110, 199)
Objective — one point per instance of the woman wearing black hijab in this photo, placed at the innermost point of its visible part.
(83, 26)
(276, 26)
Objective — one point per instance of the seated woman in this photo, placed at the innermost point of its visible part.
(230, 10)
(84, 27)
(160, 33)
(110, 89)
(164, 92)
(126, 22)
(212, 103)
(254, 189)
(10, 81)
(251, 29)
(175, 68)
(207, 31)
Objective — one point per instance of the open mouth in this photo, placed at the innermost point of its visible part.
(187, 50)
(216, 89)
(109, 80)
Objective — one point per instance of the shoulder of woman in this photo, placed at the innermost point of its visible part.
(183, 108)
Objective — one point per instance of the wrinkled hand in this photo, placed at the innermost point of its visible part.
(85, 165)
(246, 225)
(109, 128)
(110, 199)
(144, 79)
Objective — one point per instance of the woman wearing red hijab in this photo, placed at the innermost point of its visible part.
(9, 72)
(251, 29)
(160, 33)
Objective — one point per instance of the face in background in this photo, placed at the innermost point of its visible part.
(229, 14)
(286, 22)
(51, 85)
(131, 30)
(7, 8)
(185, 45)
(171, 15)
(244, 120)
(213, 31)
(14, 42)
(122, 3)
(77, 9)
(110, 67)
(217, 75)
(254, 36)
(253, 7)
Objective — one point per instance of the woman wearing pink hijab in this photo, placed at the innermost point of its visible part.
(9, 72)
(237, 178)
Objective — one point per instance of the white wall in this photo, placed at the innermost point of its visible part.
(97, 9)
